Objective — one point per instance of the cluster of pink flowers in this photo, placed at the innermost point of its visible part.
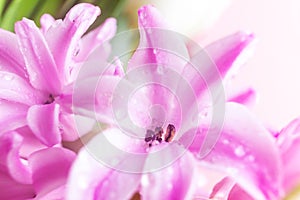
(56, 78)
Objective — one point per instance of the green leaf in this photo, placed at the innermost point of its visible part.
(2, 4)
(16, 10)
(50, 7)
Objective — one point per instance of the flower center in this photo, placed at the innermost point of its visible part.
(50, 99)
(156, 135)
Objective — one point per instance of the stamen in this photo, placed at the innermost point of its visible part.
(159, 131)
(170, 133)
(150, 136)
(156, 135)
(50, 100)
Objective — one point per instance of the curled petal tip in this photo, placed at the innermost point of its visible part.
(84, 11)
(24, 23)
(109, 29)
(144, 9)
(148, 16)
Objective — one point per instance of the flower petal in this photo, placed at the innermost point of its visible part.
(209, 66)
(64, 35)
(96, 38)
(128, 151)
(10, 189)
(16, 89)
(30, 142)
(57, 194)
(93, 97)
(246, 97)
(46, 21)
(208, 179)
(75, 126)
(43, 120)
(175, 181)
(12, 115)
(231, 52)
(40, 64)
(11, 59)
(237, 193)
(96, 67)
(10, 144)
(221, 189)
(245, 150)
(289, 144)
(50, 168)
(90, 179)
(158, 44)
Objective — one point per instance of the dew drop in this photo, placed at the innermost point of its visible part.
(239, 151)
(8, 77)
(145, 181)
(33, 76)
(24, 161)
(203, 114)
(225, 141)
(155, 51)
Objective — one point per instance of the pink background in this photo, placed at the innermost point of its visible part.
(274, 69)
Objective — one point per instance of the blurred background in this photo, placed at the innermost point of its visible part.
(273, 70)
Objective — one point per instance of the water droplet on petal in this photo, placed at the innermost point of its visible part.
(155, 51)
(145, 181)
(33, 76)
(203, 114)
(239, 151)
(24, 161)
(8, 77)
(225, 141)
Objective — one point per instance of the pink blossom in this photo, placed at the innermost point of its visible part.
(38, 68)
(288, 142)
(42, 176)
(200, 162)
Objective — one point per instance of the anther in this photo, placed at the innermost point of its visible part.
(170, 133)
(156, 135)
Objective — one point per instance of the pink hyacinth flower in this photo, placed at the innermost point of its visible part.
(42, 176)
(38, 68)
(118, 163)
